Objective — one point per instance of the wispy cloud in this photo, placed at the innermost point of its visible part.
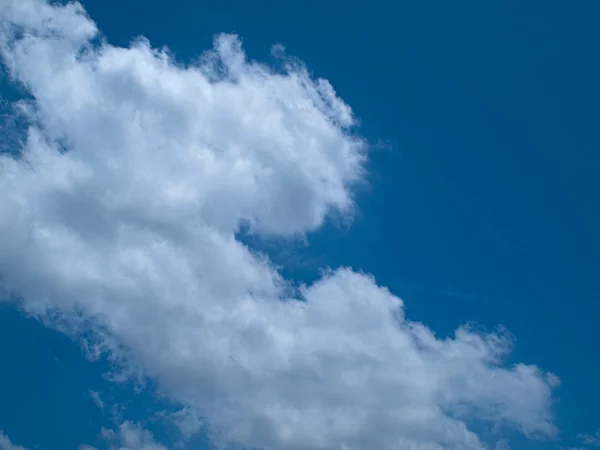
(588, 439)
(95, 396)
(131, 436)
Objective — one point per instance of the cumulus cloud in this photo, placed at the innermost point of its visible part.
(121, 214)
(6, 444)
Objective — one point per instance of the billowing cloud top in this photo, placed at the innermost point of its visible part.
(120, 216)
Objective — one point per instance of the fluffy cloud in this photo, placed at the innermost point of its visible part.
(6, 444)
(121, 214)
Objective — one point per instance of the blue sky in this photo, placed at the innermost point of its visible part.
(478, 203)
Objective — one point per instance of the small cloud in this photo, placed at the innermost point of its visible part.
(588, 439)
(6, 444)
(278, 51)
(130, 436)
(96, 399)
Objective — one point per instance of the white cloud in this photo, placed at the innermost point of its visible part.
(132, 232)
(6, 444)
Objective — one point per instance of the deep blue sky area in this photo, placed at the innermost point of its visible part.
(483, 193)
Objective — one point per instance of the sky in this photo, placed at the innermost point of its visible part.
(299, 225)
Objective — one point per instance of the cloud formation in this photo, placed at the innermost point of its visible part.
(6, 444)
(121, 214)
(129, 436)
(588, 439)
(95, 396)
